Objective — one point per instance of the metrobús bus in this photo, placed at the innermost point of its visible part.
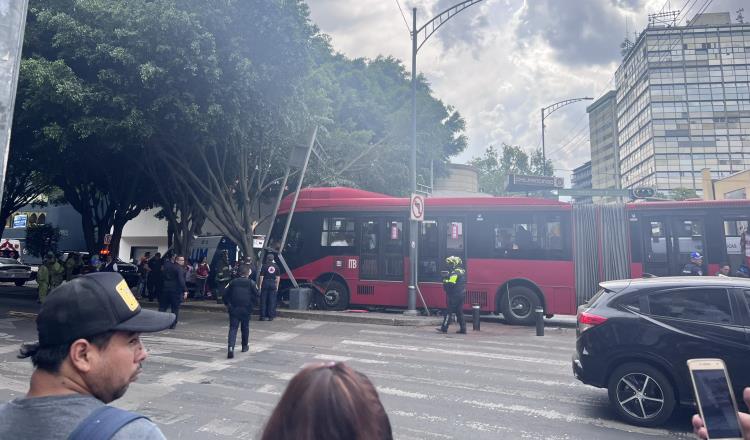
(352, 247)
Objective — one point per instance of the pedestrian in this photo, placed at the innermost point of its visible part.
(725, 270)
(56, 271)
(695, 266)
(223, 276)
(70, 266)
(454, 284)
(110, 264)
(269, 287)
(174, 290)
(202, 272)
(240, 297)
(329, 401)
(89, 351)
(42, 281)
(699, 428)
(154, 277)
(143, 271)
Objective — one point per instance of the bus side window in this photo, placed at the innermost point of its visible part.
(537, 237)
(337, 232)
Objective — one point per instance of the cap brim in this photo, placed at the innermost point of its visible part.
(147, 321)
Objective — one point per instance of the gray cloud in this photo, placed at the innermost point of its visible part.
(581, 32)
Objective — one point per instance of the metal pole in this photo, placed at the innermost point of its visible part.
(299, 187)
(11, 32)
(272, 221)
(413, 233)
(544, 153)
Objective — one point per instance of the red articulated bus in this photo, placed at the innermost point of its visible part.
(352, 247)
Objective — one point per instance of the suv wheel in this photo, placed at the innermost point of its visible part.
(641, 394)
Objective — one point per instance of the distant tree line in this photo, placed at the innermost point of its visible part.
(193, 106)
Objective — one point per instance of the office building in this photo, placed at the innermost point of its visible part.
(605, 158)
(581, 179)
(683, 103)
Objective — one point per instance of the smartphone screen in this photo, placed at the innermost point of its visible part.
(719, 413)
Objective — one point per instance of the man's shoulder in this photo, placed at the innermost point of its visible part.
(141, 429)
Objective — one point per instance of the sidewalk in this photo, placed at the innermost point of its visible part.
(364, 317)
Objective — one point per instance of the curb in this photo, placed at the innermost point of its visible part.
(319, 315)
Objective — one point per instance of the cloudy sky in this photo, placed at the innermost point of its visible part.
(500, 61)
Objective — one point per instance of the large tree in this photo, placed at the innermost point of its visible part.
(494, 166)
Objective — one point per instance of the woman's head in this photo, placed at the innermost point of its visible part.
(329, 401)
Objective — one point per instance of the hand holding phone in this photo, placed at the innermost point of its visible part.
(719, 418)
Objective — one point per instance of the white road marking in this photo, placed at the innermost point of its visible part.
(221, 427)
(569, 418)
(309, 325)
(457, 352)
(401, 393)
(269, 389)
(254, 407)
(332, 357)
(281, 337)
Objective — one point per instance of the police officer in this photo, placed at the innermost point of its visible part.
(454, 284)
(269, 286)
(223, 276)
(174, 290)
(695, 266)
(239, 297)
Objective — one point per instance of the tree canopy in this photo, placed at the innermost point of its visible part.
(494, 166)
(194, 106)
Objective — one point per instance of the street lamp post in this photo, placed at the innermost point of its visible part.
(546, 111)
(418, 38)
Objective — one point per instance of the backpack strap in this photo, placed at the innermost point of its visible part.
(103, 423)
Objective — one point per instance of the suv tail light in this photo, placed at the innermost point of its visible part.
(587, 320)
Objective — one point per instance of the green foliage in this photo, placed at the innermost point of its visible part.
(495, 166)
(683, 194)
(41, 239)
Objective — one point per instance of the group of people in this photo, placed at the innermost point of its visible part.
(53, 271)
(695, 268)
(89, 351)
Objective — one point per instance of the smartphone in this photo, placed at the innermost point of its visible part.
(715, 398)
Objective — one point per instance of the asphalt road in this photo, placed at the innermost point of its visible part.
(502, 382)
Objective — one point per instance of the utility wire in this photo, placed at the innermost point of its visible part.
(406, 22)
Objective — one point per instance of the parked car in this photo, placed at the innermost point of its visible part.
(13, 271)
(634, 338)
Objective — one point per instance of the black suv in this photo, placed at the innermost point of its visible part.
(634, 338)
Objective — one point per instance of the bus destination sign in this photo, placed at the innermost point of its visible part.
(520, 182)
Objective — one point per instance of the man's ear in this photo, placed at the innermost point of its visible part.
(81, 354)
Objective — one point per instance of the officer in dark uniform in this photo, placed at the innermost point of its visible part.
(223, 276)
(695, 266)
(269, 286)
(454, 284)
(240, 297)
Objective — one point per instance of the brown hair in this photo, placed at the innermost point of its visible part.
(329, 401)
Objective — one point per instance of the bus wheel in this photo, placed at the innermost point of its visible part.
(518, 306)
(335, 297)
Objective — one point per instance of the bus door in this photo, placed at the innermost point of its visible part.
(669, 241)
(382, 249)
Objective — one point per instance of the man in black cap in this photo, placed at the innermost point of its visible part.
(88, 353)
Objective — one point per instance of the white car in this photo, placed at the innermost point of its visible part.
(13, 271)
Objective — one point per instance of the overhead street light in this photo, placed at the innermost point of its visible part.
(418, 37)
(546, 111)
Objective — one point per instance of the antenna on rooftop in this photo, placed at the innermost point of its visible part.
(626, 44)
(740, 18)
(667, 19)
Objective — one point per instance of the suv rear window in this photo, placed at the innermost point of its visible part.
(595, 298)
(707, 305)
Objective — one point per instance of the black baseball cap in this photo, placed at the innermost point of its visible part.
(93, 304)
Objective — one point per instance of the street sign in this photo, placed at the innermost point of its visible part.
(416, 207)
(259, 241)
(644, 192)
(520, 182)
(20, 221)
(107, 238)
(593, 192)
